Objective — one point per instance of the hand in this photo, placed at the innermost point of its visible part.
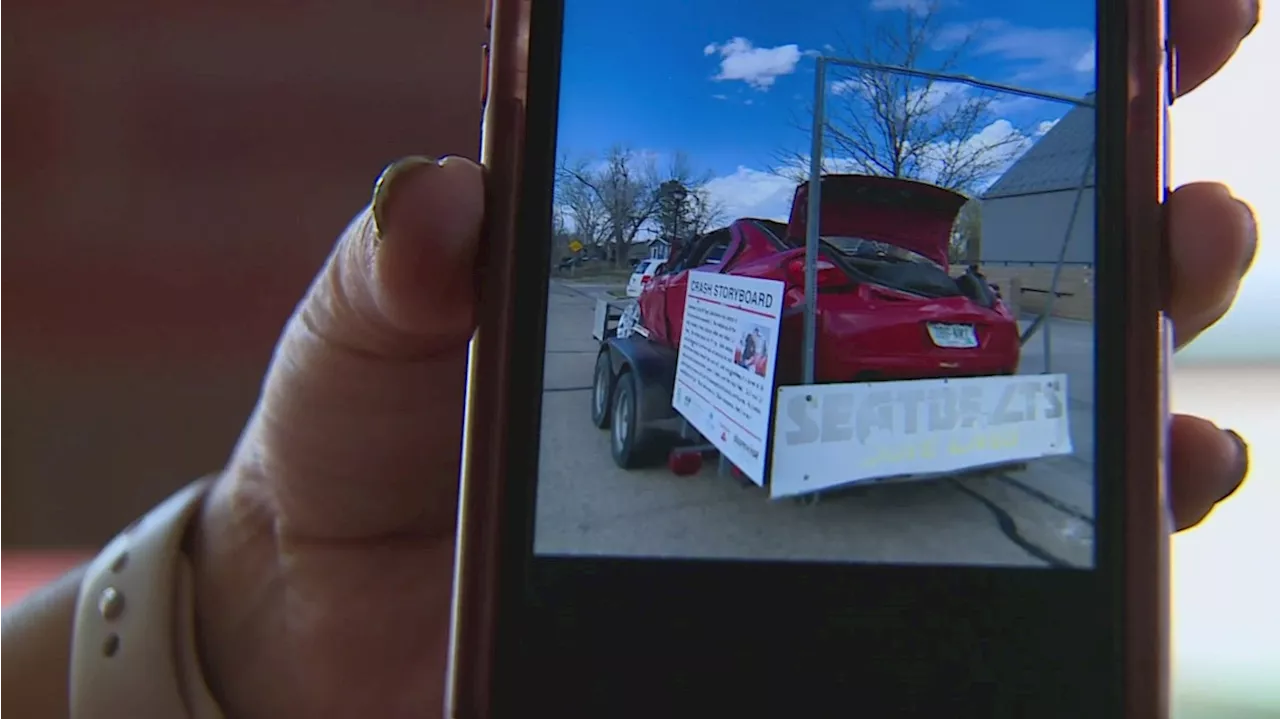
(324, 555)
(1214, 239)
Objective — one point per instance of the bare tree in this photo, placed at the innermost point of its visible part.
(705, 212)
(685, 208)
(562, 232)
(886, 123)
(702, 211)
(616, 198)
(624, 186)
(579, 206)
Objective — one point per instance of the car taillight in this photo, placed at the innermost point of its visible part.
(828, 274)
(644, 280)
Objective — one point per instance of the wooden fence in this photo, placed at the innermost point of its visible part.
(1026, 288)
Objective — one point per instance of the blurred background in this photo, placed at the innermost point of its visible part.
(175, 173)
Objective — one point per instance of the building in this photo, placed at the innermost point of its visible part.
(1026, 213)
(1026, 216)
(659, 249)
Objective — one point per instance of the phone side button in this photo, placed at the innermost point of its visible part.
(484, 75)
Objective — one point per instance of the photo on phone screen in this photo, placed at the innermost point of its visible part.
(932, 401)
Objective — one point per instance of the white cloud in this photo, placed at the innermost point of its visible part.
(921, 99)
(759, 67)
(1006, 105)
(720, 97)
(640, 158)
(1041, 52)
(1088, 61)
(752, 193)
(930, 98)
(998, 141)
(844, 87)
(1045, 127)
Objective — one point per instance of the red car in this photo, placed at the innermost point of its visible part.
(888, 307)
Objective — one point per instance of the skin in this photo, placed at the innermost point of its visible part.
(324, 559)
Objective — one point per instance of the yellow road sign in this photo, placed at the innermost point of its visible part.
(575, 246)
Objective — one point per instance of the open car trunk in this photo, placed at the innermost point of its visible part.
(910, 215)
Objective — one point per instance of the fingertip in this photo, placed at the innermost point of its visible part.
(418, 196)
(467, 179)
(1240, 465)
(1207, 464)
(1250, 219)
(400, 282)
(388, 189)
(1212, 236)
(423, 263)
(1206, 34)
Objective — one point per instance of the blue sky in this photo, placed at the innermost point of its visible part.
(724, 81)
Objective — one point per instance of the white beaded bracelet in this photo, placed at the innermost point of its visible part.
(133, 652)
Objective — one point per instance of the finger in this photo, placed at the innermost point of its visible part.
(1213, 239)
(1207, 465)
(358, 428)
(1206, 34)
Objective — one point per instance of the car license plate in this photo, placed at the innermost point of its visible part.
(959, 336)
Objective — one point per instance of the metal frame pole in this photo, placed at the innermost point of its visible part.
(1062, 258)
(966, 79)
(813, 217)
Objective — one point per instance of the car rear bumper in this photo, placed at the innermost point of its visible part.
(867, 368)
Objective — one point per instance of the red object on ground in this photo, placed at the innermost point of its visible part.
(684, 464)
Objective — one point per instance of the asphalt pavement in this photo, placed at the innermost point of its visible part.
(1039, 516)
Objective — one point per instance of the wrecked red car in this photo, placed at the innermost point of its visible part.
(888, 306)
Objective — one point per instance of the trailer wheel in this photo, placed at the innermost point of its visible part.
(630, 441)
(602, 387)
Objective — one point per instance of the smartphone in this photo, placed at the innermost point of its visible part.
(821, 366)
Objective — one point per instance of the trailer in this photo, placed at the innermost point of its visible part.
(633, 386)
(608, 314)
(644, 426)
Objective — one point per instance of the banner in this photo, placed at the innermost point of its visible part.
(830, 435)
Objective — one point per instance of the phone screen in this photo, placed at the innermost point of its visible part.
(934, 403)
(822, 350)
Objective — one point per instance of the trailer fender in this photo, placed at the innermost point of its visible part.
(654, 367)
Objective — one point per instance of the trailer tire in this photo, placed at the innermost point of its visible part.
(630, 442)
(602, 388)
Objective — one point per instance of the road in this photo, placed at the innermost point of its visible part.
(1041, 516)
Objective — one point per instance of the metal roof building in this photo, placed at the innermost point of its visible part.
(1026, 212)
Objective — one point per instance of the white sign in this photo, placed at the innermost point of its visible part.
(829, 435)
(600, 328)
(724, 374)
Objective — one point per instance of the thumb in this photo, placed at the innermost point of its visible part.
(357, 432)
